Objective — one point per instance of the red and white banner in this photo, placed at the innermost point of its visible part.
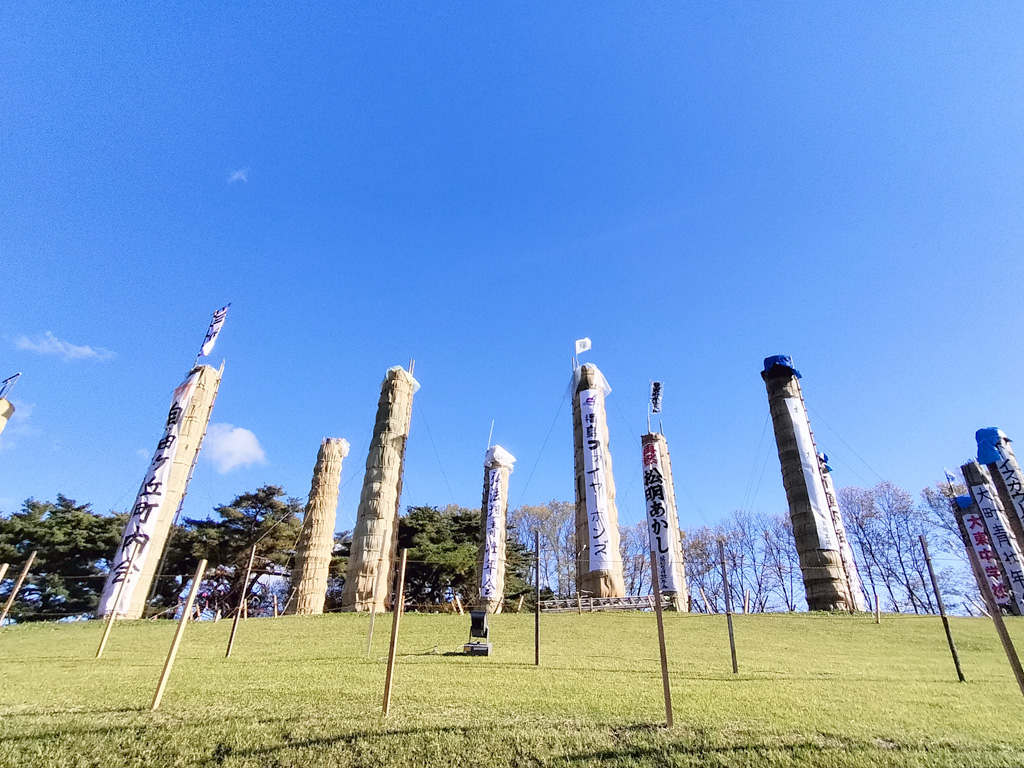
(664, 535)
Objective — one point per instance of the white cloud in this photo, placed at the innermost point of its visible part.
(48, 344)
(242, 174)
(228, 446)
(18, 426)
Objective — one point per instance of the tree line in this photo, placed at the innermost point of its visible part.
(883, 523)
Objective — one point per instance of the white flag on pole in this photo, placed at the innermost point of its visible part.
(582, 345)
(211, 335)
(8, 384)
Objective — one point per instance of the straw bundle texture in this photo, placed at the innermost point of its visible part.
(608, 582)
(825, 583)
(316, 539)
(374, 540)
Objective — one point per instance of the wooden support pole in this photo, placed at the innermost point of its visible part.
(942, 611)
(520, 606)
(458, 604)
(661, 643)
(997, 619)
(579, 603)
(274, 600)
(3, 570)
(878, 609)
(746, 601)
(536, 594)
(728, 607)
(398, 611)
(707, 604)
(117, 602)
(17, 586)
(241, 602)
(185, 611)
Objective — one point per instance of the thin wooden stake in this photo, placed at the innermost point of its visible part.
(661, 643)
(17, 586)
(117, 602)
(878, 609)
(241, 602)
(579, 603)
(746, 601)
(997, 619)
(458, 603)
(942, 611)
(274, 600)
(216, 616)
(707, 605)
(728, 607)
(520, 606)
(3, 570)
(185, 611)
(398, 611)
(536, 594)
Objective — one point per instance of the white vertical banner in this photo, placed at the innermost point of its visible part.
(656, 392)
(975, 526)
(845, 550)
(145, 513)
(214, 330)
(1014, 484)
(492, 536)
(827, 538)
(594, 465)
(662, 534)
(1002, 540)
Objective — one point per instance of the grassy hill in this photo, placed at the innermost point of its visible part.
(299, 691)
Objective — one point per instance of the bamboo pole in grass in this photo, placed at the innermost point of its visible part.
(17, 587)
(241, 602)
(398, 611)
(173, 652)
(117, 603)
(728, 607)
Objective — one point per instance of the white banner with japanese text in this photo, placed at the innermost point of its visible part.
(492, 538)
(986, 556)
(145, 513)
(663, 535)
(595, 468)
(1001, 539)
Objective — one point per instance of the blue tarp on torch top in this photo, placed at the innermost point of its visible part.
(784, 364)
(964, 502)
(988, 439)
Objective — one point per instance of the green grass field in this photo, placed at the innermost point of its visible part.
(299, 691)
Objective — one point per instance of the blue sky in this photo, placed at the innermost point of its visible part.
(694, 187)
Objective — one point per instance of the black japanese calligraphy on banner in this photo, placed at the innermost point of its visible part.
(656, 392)
(145, 513)
(1014, 483)
(211, 335)
(1001, 540)
(492, 538)
(662, 531)
(596, 482)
